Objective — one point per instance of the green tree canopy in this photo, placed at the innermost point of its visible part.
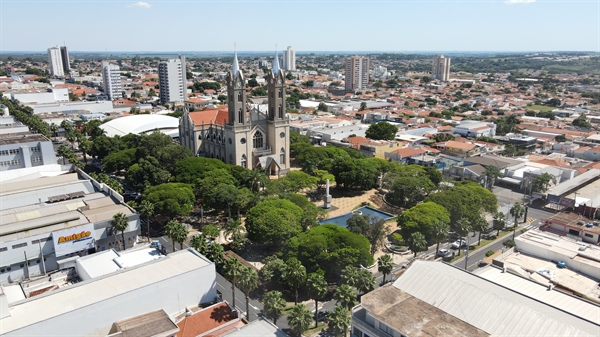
(465, 200)
(381, 131)
(421, 218)
(171, 198)
(273, 221)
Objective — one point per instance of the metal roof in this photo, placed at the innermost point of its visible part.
(492, 308)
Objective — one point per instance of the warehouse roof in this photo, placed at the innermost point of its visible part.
(139, 124)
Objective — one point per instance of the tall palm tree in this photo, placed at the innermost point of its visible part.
(317, 288)
(499, 222)
(248, 281)
(231, 270)
(295, 276)
(339, 321)
(146, 209)
(200, 244)
(366, 282)
(439, 233)
(385, 264)
(491, 173)
(273, 305)
(350, 275)
(516, 211)
(215, 253)
(119, 223)
(345, 296)
(54, 129)
(462, 228)
(299, 319)
(416, 242)
(176, 232)
(480, 225)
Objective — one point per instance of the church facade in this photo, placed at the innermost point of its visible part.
(241, 135)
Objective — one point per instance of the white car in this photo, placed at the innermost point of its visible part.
(443, 252)
(459, 243)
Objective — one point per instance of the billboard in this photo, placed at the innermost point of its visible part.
(73, 239)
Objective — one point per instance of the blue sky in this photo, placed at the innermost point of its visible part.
(306, 25)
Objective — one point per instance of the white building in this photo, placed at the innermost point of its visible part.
(111, 78)
(357, 73)
(25, 150)
(55, 62)
(441, 68)
(141, 124)
(289, 59)
(56, 95)
(475, 129)
(172, 81)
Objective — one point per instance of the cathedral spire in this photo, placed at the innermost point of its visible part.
(276, 64)
(235, 69)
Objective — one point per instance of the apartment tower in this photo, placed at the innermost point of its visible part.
(441, 68)
(357, 73)
(111, 77)
(172, 81)
(289, 59)
(55, 62)
(64, 56)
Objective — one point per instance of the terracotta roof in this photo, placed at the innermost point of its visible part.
(408, 152)
(459, 145)
(357, 140)
(210, 116)
(205, 320)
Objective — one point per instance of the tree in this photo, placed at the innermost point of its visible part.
(119, 223)
(147, 172)
(211, 231)
(215, 253)
(376, 233)
(234, 230)
(462, 227)
(407, 192)
(350, 172)
(381, 131)
(345, 296)
(146, 209)
(560, 138)
(177, 232)
(541, 182)
(480, 225)
(190, 169)
(273, 221)
(296, 181)
(465, 200)
(317, 289)
(439, 232)
(365, 282)
(499, 222)
(516, 211)
(119, 160)
(248, 281)
(339, 321)
(322, 107)
(273, 305)
(358, 224)
(491, 174)
(200, 244)
(299, 319)
(363, 106)
(231, 270)
(416, 242)
(171, 199)
(385, 264)
(295, 276)
(421, 218)
(54, 130)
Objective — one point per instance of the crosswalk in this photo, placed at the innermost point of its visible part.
(529, 223)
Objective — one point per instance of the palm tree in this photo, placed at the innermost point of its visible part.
(215, 253)
(231, 270)
(462, 228)
(499, 222)
(350, 275)
(416, 242)
(480, 225)
(54, 129)
(491, 174)
(273, 305)
(119, 223)
(385, 265)
(345, 296)
(146, 209)
(200, 244)
(317, 288)
(365, 282)
(339, 321)
(299, 319)
(176, 232)
(516, 211)
(248, 281)
(255, 180)
(439, 233)
(295, 276)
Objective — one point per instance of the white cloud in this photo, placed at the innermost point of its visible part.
(140, 4)
(519, 1)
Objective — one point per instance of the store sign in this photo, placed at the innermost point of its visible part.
(74, 239)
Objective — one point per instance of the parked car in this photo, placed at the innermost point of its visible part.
(459, 244)
(444, 252)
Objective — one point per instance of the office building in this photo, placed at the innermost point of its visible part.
(441, 68)
(289, 59)
(55, 62)
(64, 56)
(111, 77)
(357, 73)
(25, 150)
(172, 81)
(241, 136)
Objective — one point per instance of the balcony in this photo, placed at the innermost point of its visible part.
(359, 320)
(262, 152)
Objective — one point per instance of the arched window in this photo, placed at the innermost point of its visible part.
(282, 156)
(244, 162)
(240, 116)
(239, 96)
(280, 112)
(230, 159)
(257, 141)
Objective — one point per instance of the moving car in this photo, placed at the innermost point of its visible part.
(459, 244)
(444, 252)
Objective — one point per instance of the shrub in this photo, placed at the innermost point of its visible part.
(489, 253)
(508, 243)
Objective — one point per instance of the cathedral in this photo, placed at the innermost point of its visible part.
(241, 135)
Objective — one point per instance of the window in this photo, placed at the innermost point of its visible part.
(573, 232)
(24, 244)
(36, 159)
(282, 156)
(240, 116)
(588, 235)
(239, 96)
(257, 141)
(35, 149)
(15, 162)
(386, 329)
(279, 93)
(4, 153)
(280, 112)
(14, 151)
(3, 249)
(5, 163)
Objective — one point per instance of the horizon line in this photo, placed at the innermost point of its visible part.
(311, 51)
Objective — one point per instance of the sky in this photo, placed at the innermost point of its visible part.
(306, 25)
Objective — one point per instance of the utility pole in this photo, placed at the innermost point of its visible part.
(467, 253)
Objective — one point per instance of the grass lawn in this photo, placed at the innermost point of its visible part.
(483, 243)
(541, 108)
(314, 330)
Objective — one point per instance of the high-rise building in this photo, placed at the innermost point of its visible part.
(441, 68)
(111, 77)
(55, 62)
(172, 81)
(289, 59)
(357, 72)
(64, 56)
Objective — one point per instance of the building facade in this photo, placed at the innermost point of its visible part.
(64, 56)
(171, 79)
(357, 73)
(289, 59)
(242, 135)
(441, 68)
(111, 78)
(55, 62)
(22, 151)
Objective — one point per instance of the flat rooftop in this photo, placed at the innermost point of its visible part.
(152, 324)
(21, 138)
(574, 220)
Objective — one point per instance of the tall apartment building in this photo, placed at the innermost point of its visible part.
(111, 77)
(64, 56)
(289, 59)
(55, 62)
(357, 72)
(441, 68)
(172, 81)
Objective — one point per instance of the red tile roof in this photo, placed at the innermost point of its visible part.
(408, 152)
(210, 116)
(205, 320)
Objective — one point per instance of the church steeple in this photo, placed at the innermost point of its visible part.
(276, 91)
(235, 68)
(236, 92)
(276, 64)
